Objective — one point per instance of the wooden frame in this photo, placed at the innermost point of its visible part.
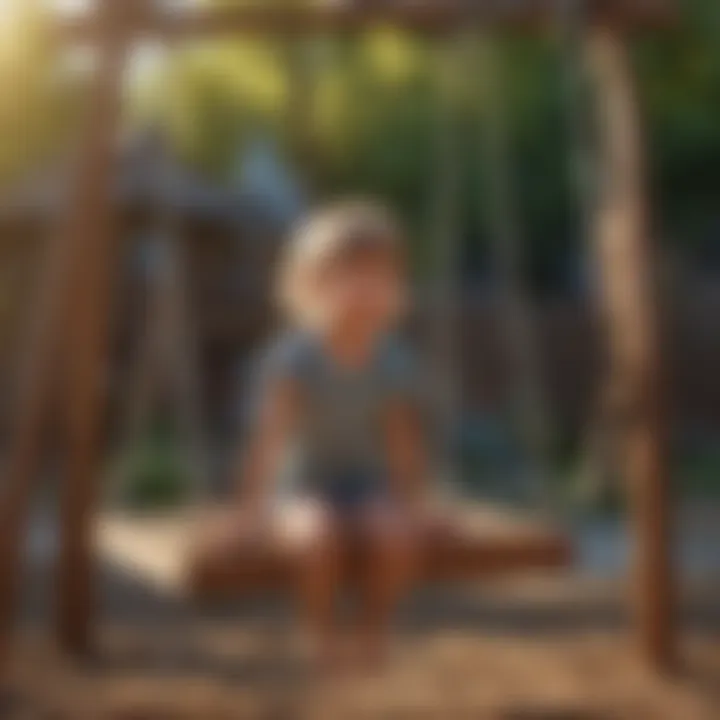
(79, 291)
(622, 239)
(419, 16)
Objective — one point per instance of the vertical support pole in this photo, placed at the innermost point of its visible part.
(36, 392)
(50, 328)
(86, 340)
(628, 291)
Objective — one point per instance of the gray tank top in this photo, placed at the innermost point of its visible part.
(340, 429)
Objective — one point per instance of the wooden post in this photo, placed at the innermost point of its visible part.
(625, 256)
(37, 383)
(86, 338)
(39, 374)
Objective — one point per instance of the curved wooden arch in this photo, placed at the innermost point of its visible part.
(624, 249)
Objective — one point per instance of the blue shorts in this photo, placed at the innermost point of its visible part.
(349, 491)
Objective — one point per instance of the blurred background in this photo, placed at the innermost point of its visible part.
(226, 142)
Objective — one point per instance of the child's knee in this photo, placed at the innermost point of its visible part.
(306, 526)
(390, 532)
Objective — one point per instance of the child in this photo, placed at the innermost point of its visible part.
(338, 407)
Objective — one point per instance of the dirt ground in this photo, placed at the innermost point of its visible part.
(229, 675)
(502, 654)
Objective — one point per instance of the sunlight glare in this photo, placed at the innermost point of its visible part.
(71, 7)
(7, 8)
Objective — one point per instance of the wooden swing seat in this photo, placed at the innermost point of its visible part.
(214, 556)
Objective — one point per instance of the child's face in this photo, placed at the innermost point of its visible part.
(363, 290)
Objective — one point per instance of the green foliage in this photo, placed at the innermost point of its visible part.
(359, 114)
(154, 473)
(697, 469)
(680, 83)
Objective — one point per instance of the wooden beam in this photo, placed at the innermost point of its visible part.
(36, 390)
(631, 309)
(86, 345)
(426, 17)
(54, 322)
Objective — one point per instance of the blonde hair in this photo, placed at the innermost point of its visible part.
(325, 236)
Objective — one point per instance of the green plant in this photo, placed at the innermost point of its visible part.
(154, 472)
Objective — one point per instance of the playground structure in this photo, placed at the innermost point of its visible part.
(75, 314)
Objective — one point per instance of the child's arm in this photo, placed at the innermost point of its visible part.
(259, 461)
(407, 459)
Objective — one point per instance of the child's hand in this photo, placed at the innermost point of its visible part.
(258, 467)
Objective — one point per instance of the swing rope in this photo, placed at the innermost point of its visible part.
(446, 227)
(528, 402)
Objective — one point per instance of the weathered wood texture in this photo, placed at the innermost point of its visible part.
(86, 341)
(632, 316)
(58, 325)
(35, 399)
(348, 17)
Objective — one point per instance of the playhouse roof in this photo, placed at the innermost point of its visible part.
(147, 178)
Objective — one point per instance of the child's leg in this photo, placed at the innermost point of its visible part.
(390, 539)
(311, 531)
